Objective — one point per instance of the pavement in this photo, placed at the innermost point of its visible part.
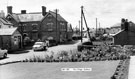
(132, 68)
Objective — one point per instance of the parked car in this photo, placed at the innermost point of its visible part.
(39, 46)
(3, 53)
(51, 42)
(85, 45)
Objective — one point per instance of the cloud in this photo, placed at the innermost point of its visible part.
(108, 12)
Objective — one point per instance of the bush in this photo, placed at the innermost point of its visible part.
(100, 53)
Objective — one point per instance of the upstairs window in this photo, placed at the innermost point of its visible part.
(9, 18)
(62, 26)
(34, 26)
(24, 27)
(50, 26)
(49, 17)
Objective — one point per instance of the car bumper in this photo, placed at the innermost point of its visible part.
(37, 48)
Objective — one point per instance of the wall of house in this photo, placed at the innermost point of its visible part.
(5, 42)
(11, 43)
(69, 35)
(4, 26)
(48, 28)
(31, 29)
(1, 43)
(125, 38)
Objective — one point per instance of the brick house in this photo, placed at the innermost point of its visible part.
(126, 36)
(10, 39)
(49, 28)
(28, 23)
(69, 32)
(38, 25)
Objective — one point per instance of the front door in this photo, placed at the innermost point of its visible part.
(20, 41)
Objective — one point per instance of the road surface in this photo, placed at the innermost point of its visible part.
(21, 55)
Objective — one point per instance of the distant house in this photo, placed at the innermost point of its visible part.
(114, 29)
(125, 37)
(10, 39)
(50, 29)
(69, 32)
(38, 25)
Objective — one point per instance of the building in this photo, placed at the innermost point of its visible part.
(69, 32)
(2, 14)
(38, 25)
(126, 36)
(114, 29)
(28, 23)
(10, 39)
(5, 23)
(55, 26)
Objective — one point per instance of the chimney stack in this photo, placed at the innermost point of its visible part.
(9, 9)
(23, 11)
(2, 14)
(43, 10)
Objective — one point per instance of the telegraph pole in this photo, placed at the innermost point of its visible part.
(96, 26)
(81, 23)
(79, 27)
(56, 25)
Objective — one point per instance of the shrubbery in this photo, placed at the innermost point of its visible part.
(100, 53)
(121, 71)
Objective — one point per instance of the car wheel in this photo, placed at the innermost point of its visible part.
(5, 55)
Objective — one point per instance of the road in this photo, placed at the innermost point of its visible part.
(21, 55)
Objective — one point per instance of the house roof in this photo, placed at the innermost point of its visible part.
(4, 21)
(28, 17)
(59, 17)
(7, 31)
(37, 16)
(117, 25)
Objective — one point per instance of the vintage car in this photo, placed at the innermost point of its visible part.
(39, 46)
(3, 53)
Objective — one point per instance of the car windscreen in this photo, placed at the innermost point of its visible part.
(38, 43)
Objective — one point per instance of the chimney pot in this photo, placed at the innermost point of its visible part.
(9, 9)
(43, 10)
(23, 11)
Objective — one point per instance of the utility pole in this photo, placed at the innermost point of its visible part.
(79, 27)
(96, 26)
(56, 26)
(86, 26)
(81, 23)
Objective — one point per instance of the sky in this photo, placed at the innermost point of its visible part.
(108, 12)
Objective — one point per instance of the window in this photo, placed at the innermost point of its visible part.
(50, 26)
(34, 27)
(49, 17)
(62, 26)
(9, 18)
(24, 27)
